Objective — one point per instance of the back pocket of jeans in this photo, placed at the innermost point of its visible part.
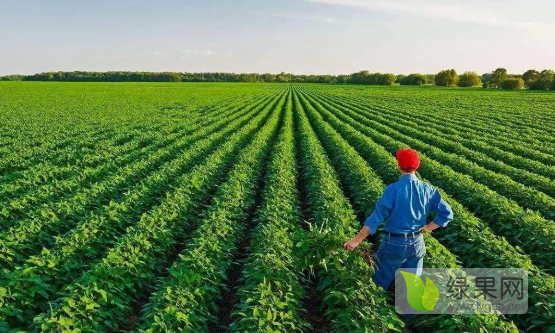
(391, 251)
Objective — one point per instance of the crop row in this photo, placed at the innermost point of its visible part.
(512, 121)
(62, 153)
(479, 166)
(41, 224)
(81, 155)
(27, 237)
(15, 182)
(496, 110)
(186, 299)
(470, 128)
(14, 208)
(270, 299)
(476, 142)
(101, 298)
(365, 188)
(15, 159)
(351, 301)
(512, 153)
(17, 209)
(43, 275)
(470, 239)
(524, 228)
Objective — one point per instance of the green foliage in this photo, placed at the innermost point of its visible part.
(498, 76)
(414, 80)
(544, 81)
(512, 84)
(504, 255)
(185, 300)
(272, 294)
(365, 77)
(469, 79)
(342, 79)
(123, 207)
(353, 303)
(530, 76)
(11, 78)
(134, 262)
(365, 187)
(64, 262)
(447, 78)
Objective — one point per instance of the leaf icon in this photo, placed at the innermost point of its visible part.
(415, 290)
(430, 296)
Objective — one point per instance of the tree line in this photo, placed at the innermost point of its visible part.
(83, 76)
(499, 78)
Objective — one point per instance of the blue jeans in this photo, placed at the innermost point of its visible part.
(395, 253)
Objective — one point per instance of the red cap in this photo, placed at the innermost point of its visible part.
(408, 159)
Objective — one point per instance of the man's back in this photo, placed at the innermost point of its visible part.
(406, 205)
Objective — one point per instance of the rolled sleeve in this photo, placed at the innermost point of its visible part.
(381, 212)
(444, 213)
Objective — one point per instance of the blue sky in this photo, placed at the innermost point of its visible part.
(298, 36)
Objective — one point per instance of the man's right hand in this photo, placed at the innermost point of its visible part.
(352, 244)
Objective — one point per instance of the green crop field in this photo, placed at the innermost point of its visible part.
(223, 207)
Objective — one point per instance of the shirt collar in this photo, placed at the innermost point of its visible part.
(409, 176)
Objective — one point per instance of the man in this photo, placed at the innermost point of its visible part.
(406, 205)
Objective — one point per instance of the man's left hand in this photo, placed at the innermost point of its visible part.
(352, 244)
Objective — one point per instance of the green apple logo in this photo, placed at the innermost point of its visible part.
(420, 297)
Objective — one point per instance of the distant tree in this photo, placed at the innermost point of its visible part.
(360, 77)
(282, 77)
(514, 83)
(371, 79)
(544, 81)
(342, 79)
(267, 77)
(325, 78)
(386, 79)
(400, 78)
(499, 75)
(469, 79)
(14, 77)
(486, 79)
(415, 79)
(430, 78)
(173, 77)
(447, 78)
(530, 76)
(365, 77)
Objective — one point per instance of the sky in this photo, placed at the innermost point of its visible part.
(295, 36)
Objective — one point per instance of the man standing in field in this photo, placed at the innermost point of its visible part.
(406, 205)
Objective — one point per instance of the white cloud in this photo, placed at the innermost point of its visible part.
(459, 13)
(305, 17)
(206, 52)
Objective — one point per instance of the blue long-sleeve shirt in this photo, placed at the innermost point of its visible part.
(406, 205)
